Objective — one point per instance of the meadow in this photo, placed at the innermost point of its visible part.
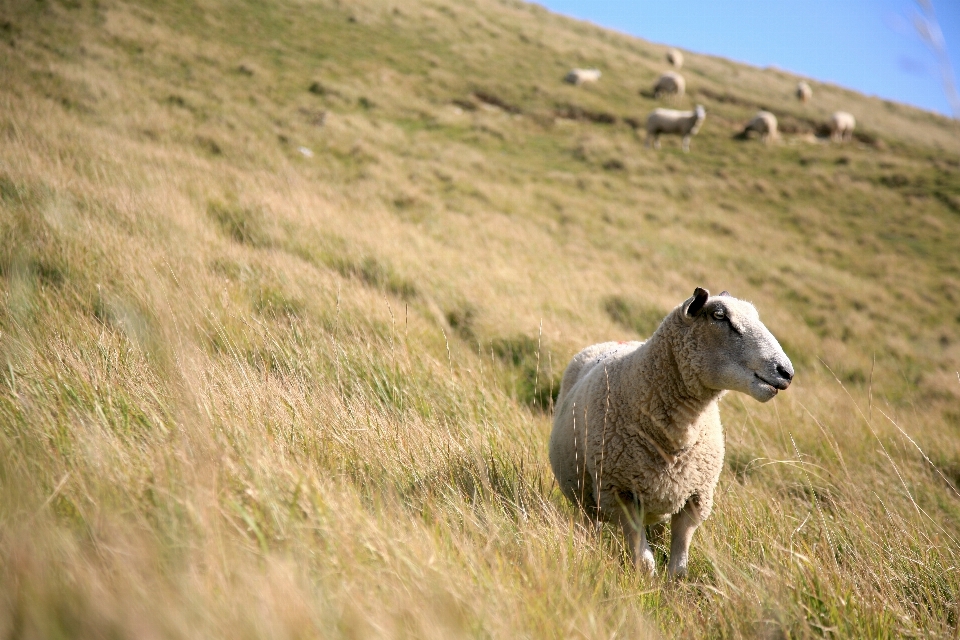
(288, 288)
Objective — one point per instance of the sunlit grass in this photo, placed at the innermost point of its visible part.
(245, 392)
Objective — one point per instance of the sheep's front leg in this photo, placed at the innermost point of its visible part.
(686, 143)
(682, 526)
(631, 518)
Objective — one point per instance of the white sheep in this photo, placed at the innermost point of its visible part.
(637, 435)
(682, 123)
(765, 124)
(670, 83)
(582, 76)
(804, 92)
(675, 58)
(842, 125)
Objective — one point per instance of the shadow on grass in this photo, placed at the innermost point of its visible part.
(532, 380)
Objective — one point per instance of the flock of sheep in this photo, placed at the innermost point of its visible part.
(686, 124)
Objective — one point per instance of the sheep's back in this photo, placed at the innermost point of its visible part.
(843, 120)
(670, 82)
(581, 364)
(667, 120)
(763, 122)
(576, 389)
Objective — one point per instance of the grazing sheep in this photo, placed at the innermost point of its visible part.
(765, 124)
(681, 123)
(804, 92)
(582, 76)
(675, 58)
(842, 125)
(670, 83)
(637, 435)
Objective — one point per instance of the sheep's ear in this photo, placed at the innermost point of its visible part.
(700, 296)
(725, 293)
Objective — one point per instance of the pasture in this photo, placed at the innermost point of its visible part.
(287, 289)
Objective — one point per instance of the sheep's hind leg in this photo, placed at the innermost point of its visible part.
(630, 516)
(682, 526)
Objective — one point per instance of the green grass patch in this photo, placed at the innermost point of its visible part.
(634, 315)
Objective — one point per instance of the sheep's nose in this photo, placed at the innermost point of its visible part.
(785, 373)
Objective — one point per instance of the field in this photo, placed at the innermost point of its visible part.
(288, 287)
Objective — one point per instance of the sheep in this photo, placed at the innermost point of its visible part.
(675, 58)
(682, 123)
(637, 436)
(764, 123)
(582, 76)
(842, 125)
(804, 92)
(670, 83)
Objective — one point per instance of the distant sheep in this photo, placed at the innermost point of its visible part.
(582, 76)
(842, 125)
(637, 436)
(670, 83)
(804, 92)
(681, 123)
(675, 58)
(764, 124)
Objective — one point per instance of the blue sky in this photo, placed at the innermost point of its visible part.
(867, 45)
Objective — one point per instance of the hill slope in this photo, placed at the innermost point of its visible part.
(288, 290)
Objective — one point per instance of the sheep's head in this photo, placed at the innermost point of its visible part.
(701, 115)
(731, 349)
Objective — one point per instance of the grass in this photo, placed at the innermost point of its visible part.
(245, 392)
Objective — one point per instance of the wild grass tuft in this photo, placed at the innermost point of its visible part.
(375, 273)
(636, 316)
(531, 374)
(246, 225)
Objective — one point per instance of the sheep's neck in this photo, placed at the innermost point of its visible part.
(670, 410)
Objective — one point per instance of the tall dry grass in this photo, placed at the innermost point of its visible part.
(249, 393)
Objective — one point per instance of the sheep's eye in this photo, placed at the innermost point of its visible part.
(719, 314)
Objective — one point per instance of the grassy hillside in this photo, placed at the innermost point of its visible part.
(287, 289)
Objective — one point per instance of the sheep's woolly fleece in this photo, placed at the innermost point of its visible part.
(765, 124)
(682, 123)
(670, 83)
(842, 125)
(639, 422)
